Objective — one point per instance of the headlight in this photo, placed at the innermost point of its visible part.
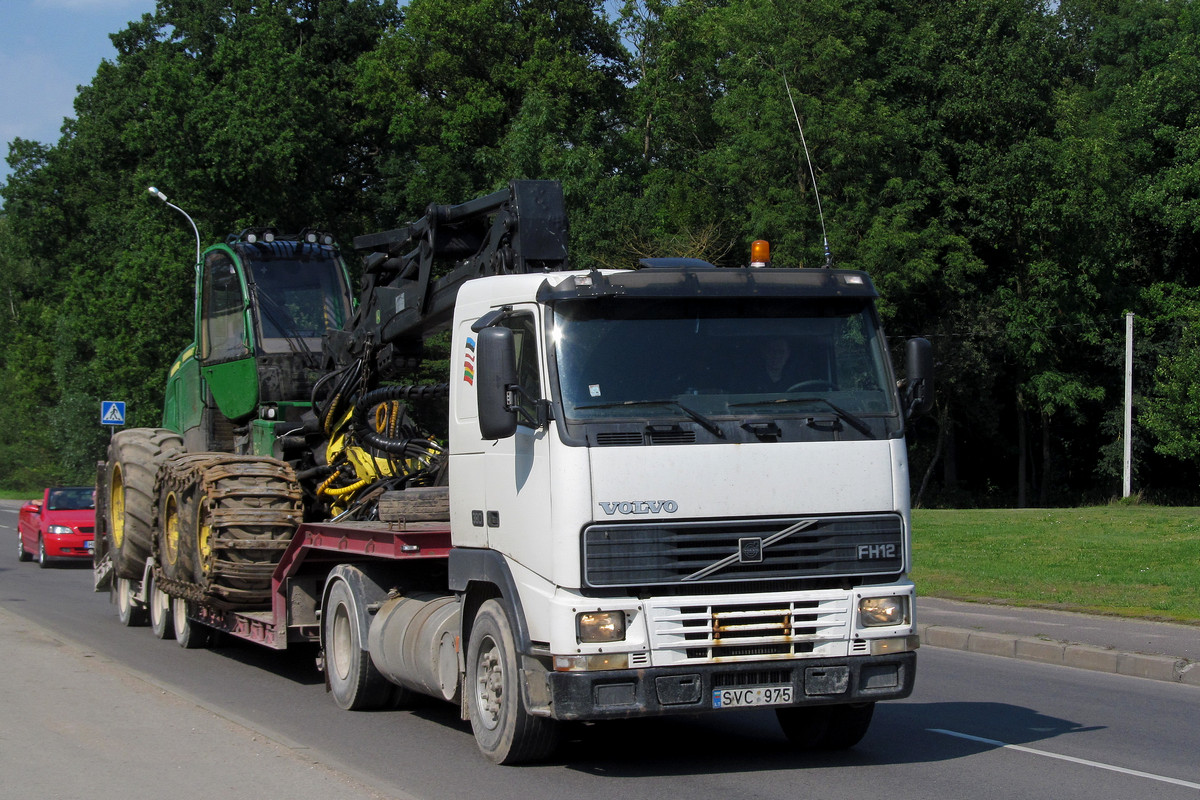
(876, 612)
(594, 627)
(59, 530)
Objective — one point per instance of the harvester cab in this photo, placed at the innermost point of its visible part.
(264, 302)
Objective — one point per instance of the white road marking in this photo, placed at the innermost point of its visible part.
(1072, 759)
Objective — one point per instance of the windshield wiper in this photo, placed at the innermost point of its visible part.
(855, 421)
(704, 421)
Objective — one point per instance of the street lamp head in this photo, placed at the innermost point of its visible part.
(154, 191)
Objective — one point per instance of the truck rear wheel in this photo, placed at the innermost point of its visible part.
(190, 635)
(354, 681)
(826, 727)
(160, 612)
(504, 730)
(129, 611)
(134, 456)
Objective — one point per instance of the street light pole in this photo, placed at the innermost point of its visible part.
(154, 191)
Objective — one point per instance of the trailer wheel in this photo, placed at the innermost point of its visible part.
(134, 457)
(504, 730)
(353, 680)
(129, 612)
(826, 727)
(160, 612)
(190, 635)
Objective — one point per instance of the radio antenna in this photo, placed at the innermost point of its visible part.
(808, 158)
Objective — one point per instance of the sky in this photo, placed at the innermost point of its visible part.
(48, 48)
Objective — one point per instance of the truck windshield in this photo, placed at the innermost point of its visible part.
(623, 357)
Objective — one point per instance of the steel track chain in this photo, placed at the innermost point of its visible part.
(250, 507)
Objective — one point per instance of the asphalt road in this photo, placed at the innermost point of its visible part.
(977, 726)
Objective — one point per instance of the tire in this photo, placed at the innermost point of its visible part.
(826, 727)
(43, 559)
(190, 635)
(22, 553)
(129, 612)
(160, 613)
(353, 680)
(134, 456)
(504, 730)
(227, 520)
(176, 534)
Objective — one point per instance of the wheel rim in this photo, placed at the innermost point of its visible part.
(116, 506)
(204, 538)
(171, 530)
(123, 600)
(342, 642)
(160, 604)
(179, 616)
(489, 681)
(41, 551)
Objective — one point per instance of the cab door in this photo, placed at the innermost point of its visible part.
(517, 469)
(226, 337)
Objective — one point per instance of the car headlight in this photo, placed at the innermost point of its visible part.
(59, 530)
(594, 627)
(877, 612)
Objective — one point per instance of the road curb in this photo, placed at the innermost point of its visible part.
(1066, 654)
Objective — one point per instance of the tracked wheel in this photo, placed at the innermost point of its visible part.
(134, 457)
(227, 520)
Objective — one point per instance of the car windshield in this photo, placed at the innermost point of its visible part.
(71, 499)
(782, 356)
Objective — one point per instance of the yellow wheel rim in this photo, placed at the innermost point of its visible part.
(171, 529)
(116, 506)
(204, 536)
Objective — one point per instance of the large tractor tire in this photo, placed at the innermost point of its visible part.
(226, 521)
(134, 456)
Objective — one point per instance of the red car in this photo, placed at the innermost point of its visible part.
(60, 525)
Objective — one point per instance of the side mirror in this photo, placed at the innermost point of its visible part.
(918, 369)
(495, 372)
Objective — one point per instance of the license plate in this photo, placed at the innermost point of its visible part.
(88, 545)
(753, 696)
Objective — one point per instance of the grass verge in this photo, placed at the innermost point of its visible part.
(1133, 561)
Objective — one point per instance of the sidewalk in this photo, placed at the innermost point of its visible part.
(77, 726)
(1158, 650)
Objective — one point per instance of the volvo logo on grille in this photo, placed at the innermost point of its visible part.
(750, 551)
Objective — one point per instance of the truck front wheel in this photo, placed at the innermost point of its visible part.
(504, 730)
(826, 727)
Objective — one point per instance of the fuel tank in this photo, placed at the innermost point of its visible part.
(412, 642)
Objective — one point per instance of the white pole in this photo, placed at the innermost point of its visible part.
(1128, 404)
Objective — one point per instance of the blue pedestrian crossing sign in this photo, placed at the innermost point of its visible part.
(112, 412)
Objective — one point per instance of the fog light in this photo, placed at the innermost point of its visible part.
(875, 612)
(596, 661)
(594, 627)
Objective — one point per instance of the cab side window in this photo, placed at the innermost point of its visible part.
(528, 373)
(223, 328)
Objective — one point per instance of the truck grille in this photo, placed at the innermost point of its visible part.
(690, 553)
(752, 631)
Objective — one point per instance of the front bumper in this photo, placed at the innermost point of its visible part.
(655, 691)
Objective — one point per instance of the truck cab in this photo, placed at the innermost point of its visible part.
(693, 484)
